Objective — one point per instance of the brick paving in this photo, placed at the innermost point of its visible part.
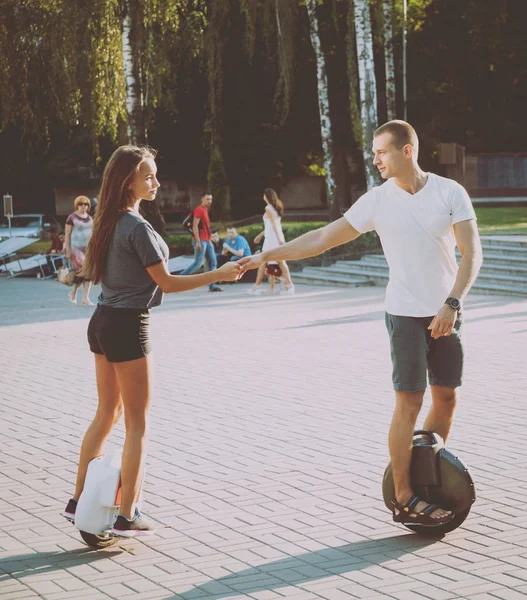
(268, 445)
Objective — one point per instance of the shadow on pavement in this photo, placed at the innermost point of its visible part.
(309, 567)
(372, 316)
(25, 565)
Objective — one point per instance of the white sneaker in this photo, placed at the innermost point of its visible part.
(255, 291)
(73, 299)
(288, 291)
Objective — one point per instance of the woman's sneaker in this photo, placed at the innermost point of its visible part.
(255, 291)
(288, 291)
(69, 511)
(127, 528)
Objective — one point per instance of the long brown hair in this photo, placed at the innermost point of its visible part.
(114, 198)
(274, 201)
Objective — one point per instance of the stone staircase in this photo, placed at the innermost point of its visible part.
(504, 269)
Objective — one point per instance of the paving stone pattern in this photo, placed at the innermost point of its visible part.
(268, 445)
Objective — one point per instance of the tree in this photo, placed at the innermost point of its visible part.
(218, 20)
(389, 62)
(367, 84)
(323, 105)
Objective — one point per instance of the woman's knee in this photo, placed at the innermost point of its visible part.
(109, 418)
(136, 424)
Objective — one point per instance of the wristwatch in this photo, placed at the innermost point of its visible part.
(453, 303)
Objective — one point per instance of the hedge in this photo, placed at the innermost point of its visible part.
(368, 243)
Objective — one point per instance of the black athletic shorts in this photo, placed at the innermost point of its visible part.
(121, 334)
(415, 352)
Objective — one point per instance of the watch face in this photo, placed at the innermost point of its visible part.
(455, 303)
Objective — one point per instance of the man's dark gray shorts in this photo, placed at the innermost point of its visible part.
(414, 352)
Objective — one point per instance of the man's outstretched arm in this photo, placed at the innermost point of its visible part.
(312, 243)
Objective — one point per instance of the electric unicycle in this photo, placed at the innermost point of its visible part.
(99, 503)
(438, 477)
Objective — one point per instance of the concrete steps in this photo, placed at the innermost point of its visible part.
(504, 269)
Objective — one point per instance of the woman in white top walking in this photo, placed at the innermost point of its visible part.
(273, 237)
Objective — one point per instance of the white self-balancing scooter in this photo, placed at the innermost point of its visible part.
(438, 477)
(99, 503)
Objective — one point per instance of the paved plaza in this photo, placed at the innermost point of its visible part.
(268, 446)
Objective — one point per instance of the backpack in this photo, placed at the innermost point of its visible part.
(188, 221)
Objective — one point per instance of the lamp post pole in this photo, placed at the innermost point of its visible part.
(8, 209)
(405, 10)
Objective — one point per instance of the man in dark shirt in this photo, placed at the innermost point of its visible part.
(218, 242)
(203, 247)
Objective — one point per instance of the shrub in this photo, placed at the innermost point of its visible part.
(181, 243)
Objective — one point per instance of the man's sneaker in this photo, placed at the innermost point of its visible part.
(69, 511)
(215, 288)
(127, 528)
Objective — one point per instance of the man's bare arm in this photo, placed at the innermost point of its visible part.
(195, 230)
(467, 239)
(314, 242)
(468, 242)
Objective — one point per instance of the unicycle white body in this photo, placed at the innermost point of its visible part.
(99, 503)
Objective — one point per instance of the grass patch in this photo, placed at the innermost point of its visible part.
(502, 219)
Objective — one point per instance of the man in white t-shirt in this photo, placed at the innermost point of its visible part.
(420, 218)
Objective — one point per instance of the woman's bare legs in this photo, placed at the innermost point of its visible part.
(73, 293)
(86, 292)
(135, 382)
(108, 413)
(259, 276)
(287, 275)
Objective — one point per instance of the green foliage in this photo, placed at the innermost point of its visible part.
(368, 242)
(179, 244)
(37, 65)
(62, 84)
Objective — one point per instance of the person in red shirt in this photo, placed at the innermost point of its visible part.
(203, 247)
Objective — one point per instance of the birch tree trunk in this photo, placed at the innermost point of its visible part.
(135, 109)
(134, 95)
(368, 94)
(389, 63)
(323, 106)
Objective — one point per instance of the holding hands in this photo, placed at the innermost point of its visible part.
(231, 271)
(250, 262)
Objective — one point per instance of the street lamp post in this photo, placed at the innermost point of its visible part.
(8, 209)
(405, 10)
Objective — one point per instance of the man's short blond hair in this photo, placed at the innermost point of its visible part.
(402, 134)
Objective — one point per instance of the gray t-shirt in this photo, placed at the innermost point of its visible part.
(125, 282)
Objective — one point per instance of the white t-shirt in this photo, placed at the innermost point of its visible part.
(417, 238)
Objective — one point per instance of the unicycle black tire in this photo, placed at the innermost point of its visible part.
(439, 530)
(98, 541)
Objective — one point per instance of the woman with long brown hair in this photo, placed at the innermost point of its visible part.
(128, 257)
(273, 237)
